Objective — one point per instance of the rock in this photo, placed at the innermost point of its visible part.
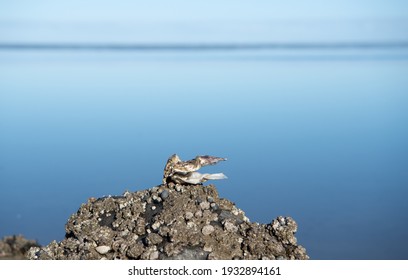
(164, 194)
(188, 215)
(15, 247)
(284, 229)
(189, 253)
(154, 255)
(207, 230)
(204, 205)
(156, 225)
(170, 221)
(228, 226)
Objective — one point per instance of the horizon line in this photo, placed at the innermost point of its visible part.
(204, 46)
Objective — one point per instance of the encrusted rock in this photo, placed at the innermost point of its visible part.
(284, 229)
(15, 247)
(170, 221)
(205, 205)
(188, 215)
(207, 230)
(228, 226)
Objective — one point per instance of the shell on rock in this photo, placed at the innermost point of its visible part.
(180, 171)
(102, 249)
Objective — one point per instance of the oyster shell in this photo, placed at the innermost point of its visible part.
(179, 171)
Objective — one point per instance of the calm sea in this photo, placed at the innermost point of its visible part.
(318, 135)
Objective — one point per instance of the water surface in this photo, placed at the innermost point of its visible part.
(320, 136)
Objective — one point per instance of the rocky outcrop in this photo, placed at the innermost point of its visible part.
(171, 221)
(15, 247)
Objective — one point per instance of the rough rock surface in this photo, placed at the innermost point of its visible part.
(171, 221)
(15, 247)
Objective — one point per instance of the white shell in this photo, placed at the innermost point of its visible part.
(198, 178)
(102, 249)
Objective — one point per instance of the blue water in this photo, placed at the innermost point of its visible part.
(321, 137)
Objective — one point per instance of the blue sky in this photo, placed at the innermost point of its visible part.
(131, 10)
(163, 21)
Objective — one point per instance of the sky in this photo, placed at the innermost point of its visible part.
(161, 21)
(162, 10)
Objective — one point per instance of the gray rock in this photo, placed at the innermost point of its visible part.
(182, 224)
(164, 194)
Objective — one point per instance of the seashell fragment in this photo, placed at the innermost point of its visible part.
(179, 171)
(102, 249)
